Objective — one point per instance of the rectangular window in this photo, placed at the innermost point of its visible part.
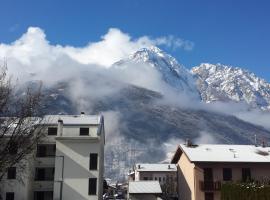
(84, 131)
(44, 174)
(11, 173)
(246, 174)
(145, 178)
(46, 150)
(10, 196)
(208, 174)
(52, 131)
(92, 190)
(43, 195)
(93, 161)
(227, 174)
(209, 196)
(13, 148)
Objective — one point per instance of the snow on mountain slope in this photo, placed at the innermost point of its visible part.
(172, 72)
(225, 83)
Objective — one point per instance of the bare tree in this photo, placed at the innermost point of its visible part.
(169, 188)
(20, 123)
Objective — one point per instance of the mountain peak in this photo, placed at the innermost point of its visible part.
(173, 73)
(217, 82)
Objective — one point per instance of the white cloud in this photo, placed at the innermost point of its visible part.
(175, 43)
(32, 54)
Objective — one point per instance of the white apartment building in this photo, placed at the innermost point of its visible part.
(67, 165)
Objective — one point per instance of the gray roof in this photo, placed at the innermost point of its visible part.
(156, 167)
(227, 153)
(73, 119)
(144, 187)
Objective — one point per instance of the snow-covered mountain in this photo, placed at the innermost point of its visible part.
(207, 82)
(173, 73)
(226, 83)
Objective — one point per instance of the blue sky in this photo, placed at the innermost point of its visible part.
(229, 32)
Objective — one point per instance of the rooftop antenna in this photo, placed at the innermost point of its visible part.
(255, 140)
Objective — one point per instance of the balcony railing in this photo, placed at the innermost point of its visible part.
(210, 185)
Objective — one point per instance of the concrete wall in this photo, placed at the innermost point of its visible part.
(76, 173)
(185, 179)
(75, 130)
(21, 186)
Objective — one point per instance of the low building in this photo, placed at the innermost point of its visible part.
(165, 174)
(68, 163)
(144, 190)
(202, 169)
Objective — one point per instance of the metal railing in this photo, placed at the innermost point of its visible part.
(210, 185)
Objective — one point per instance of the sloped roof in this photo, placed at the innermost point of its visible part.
(144, 187)
(227, 153)
(156, 167)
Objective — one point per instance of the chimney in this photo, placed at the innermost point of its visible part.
(188, 143)
(263, 144)
(139, 166)
(169, 166)
(60, 127)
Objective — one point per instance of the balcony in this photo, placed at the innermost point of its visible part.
(210, 185)
(43, 185)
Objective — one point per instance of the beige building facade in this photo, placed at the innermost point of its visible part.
(202, 169)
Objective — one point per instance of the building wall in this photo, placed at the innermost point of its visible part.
(258, 172)
(75, 130)
(101, 161)
(21, 186)
(186, 183)
(76, 173)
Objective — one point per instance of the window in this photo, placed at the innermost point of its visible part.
(13, 148)
(145, 178)
(208, 174)
(246, 174)
(11, 173)
(10, 196)
(44, 174)
(93, 161)
(159, 179)
(43, 195)
(209, 196)
(84, 131)
(46, 150)
(155, 178)
(227, 174)
(92, 189)
(52, 131)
